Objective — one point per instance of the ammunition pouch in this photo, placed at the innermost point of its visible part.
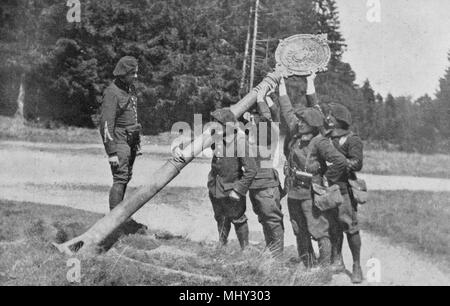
(301, 178)
(133, 135)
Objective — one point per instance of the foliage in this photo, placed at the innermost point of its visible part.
(190, 56)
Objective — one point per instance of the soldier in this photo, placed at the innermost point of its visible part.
(265, 190)
(120, 131)
(310, 100)
(230, 178)
(338, 121)
(311, 158)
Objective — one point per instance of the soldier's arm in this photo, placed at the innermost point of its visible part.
(311, 97)
(273, 108)
(336, 162)
(287, 111)
(312, 100)
(107, 122)
(355, 154)
(263, 107)
(250, 168)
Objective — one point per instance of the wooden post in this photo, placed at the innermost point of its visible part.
(255, 34)
(247, 46)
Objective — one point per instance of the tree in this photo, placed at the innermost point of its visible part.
(19, 50)
(443, 104)
(368, 112)
(391, 126)
(426, 134)
(190, 55)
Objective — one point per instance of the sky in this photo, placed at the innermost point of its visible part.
(406, 52)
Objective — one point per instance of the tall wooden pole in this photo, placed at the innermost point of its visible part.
(255, 35)
(247, 47)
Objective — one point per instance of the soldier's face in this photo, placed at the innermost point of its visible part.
(131, 77)
(304, 127)
(331, 122)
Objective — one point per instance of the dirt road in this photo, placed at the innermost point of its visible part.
(78, 176)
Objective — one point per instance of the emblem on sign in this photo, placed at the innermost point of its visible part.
(300, 54)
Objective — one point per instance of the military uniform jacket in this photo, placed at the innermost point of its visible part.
(317, 156)
(266, 177)
(118, 111)
(351, 146)
(231, 173)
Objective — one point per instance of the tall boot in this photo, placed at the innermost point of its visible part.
(305, 251)
(337, 262)
(312, 254)
(274, 236)
(242, 234)
(224, 227)
(324, 251)
(354, 242)
(278, 241)
(116, 194)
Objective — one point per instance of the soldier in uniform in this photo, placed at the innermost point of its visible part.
(311, 158)
(338, 122)
(120, 131)
(230, 178)
(265, 190)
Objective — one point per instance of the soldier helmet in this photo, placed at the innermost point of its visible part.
(298, 110)
(341, 113)
(224, 115)
(312, 116)
(125, 65)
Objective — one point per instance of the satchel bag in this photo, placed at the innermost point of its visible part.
(359, 190)
(326, 198)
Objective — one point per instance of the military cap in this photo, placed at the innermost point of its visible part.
(298, 109)
(312, 116)
(125, 65)
(224, 115)
(341, 113)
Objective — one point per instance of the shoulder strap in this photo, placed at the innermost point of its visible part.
(291, 154)
(307, 159)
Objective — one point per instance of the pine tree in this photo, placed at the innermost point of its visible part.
(443, 103)
(390, 128)
(190, 54)
(368, 110)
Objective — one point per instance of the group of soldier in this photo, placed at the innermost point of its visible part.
(320, 148)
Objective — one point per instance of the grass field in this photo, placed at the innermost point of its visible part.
(410, 164)
(420, 220)
(415, 220)
(11, 129)
(28, 258)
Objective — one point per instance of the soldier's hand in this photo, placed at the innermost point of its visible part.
(113, 161)
(234, 195)
(310, 88)
(178, 155)
(311, 77)
(282, 89)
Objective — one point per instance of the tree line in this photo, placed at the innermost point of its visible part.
(190, 54)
